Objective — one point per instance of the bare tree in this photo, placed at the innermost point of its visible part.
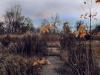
(66, 27)
(55, 20)
(1, 28)
(44, 22)
(14, 20)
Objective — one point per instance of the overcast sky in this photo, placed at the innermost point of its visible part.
(38, 9)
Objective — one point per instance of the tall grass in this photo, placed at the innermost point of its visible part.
(17, 65)
(78, 59)
(18, 52)
(28, 44)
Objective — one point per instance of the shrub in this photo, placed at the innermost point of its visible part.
(17, 65)
(28, 44)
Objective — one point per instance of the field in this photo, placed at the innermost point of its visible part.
(28, 54)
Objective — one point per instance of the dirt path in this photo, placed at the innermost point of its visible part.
(51, 68)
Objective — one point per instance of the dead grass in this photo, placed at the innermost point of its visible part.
(11, 64)
(96, 48)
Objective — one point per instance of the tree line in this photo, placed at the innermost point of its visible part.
(15, 22)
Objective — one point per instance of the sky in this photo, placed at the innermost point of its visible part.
(39, 9)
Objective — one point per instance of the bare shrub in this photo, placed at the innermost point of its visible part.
(27, 44)
(17, 65)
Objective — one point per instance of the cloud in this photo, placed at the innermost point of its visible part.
(37, 9)
(43, 8)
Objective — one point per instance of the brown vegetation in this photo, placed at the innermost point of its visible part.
(22, 51)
